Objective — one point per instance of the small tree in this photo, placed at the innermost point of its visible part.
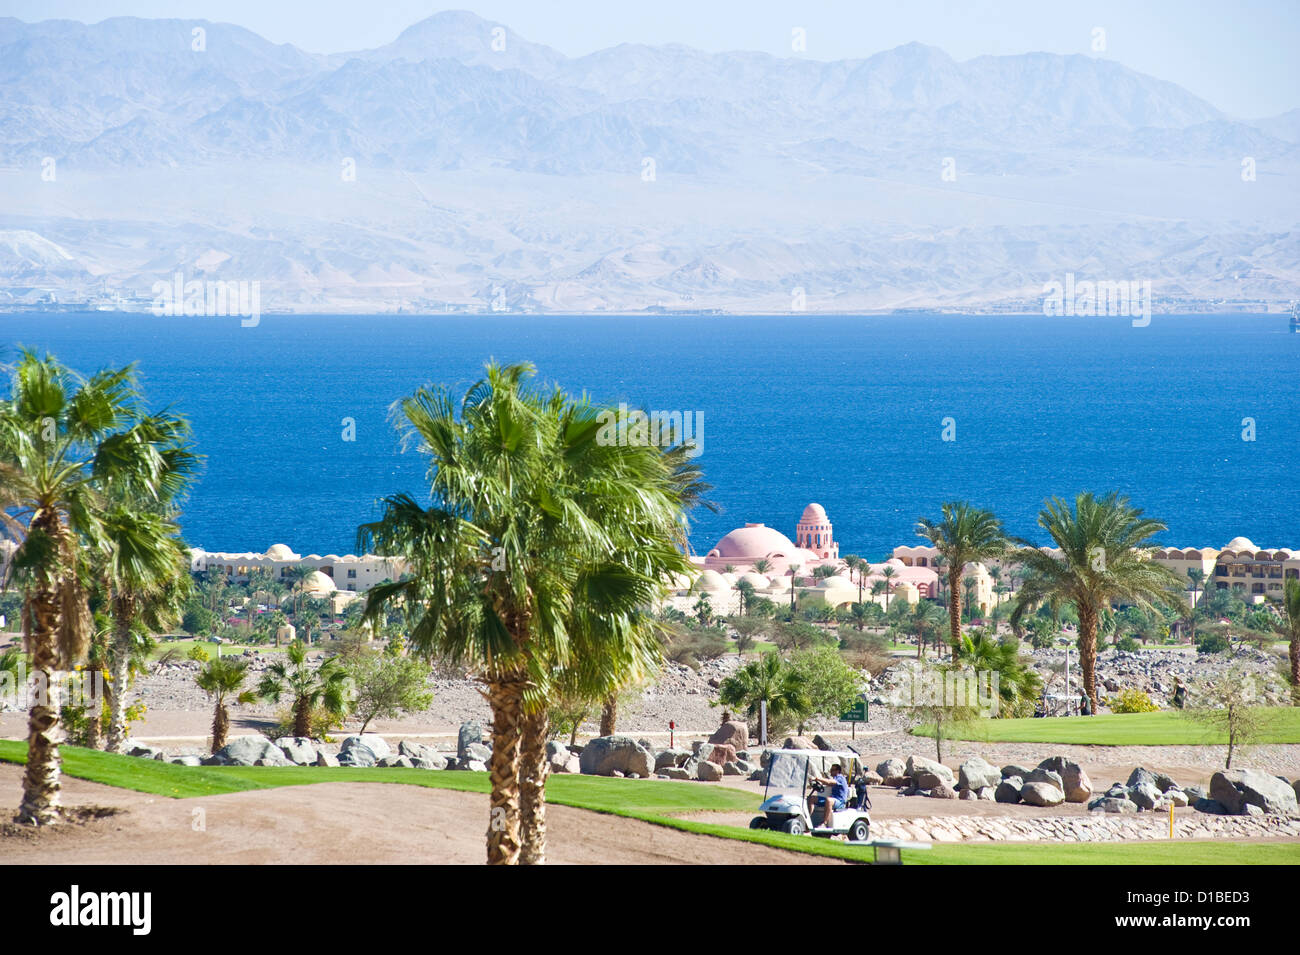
(307, 688)
(830, 685)
(769, 680)
(929, 705)
(748, 630)
(385, 685)
(1230, 706)
(221, 679)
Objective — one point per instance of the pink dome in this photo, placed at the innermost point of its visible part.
(813, 513)
(749, 543)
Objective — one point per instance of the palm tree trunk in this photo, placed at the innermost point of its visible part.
(40, 804)
(1294, 650)
(220, 726)
(302, 717)
(609, 715)
(1088, 653)
(954, 608)
(533, 767)
(120, 662)
(506, 697)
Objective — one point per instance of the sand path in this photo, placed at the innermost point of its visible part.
(355, 823)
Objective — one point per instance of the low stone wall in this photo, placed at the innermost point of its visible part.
(1090, 828)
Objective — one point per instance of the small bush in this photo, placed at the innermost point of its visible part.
(198, 653)
(1132, 701)
(1212, 643)
(1127, 644)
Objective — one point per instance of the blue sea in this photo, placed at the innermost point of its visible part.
(845, 411)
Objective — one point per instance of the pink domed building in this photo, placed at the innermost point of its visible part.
(814, 546)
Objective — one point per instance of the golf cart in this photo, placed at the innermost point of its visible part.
(791, 775)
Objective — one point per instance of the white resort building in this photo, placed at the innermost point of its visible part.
(347, 574)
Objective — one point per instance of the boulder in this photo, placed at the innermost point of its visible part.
(275, 758)
(926, 773)
(798, 742)
(1046, 776)
(365, 750)
(1196, 792)
(1145, 794)
(732, 733)
(708, 772)
(1008, 790)
(977, 773)
(573, 764)
(1041, 794)
(477, 752)
(1140, 775)
(892, 772)
(872, 779)
(417, 750)
(472, 765)
(674, 772)
(470, 732)
(299, 750)
(732, 768)
(247, 750)
(325, 759)
(968, 794)
(185, 761)
(141, 751)
(1236, 789)
(1296, 786)
(1111, 804)
(1177, 797)
(1075, 782)
(822, 743)
(1165, 783)
(403, 762)
(941, 791)
(1013, 770)
(606, 755)
(717, 754)
(1210, 806)
(987, 793)
(670, 757)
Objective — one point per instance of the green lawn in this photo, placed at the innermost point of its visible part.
(652, 801)
(1280, 724)
(182, 647)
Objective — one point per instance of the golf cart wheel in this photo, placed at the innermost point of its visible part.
(858, 831)
(794, 826)
(758, 822)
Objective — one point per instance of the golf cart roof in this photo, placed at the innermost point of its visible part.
(819, 753)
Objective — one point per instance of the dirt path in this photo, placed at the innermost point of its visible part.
(357, 823)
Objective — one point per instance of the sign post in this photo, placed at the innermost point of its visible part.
(857, 714)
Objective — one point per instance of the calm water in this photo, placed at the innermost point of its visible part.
(843, 411)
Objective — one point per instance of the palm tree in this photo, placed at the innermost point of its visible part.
(855, 563)
(794, 575)
(926, 621)
(1018, 684)
(888, 574)
(762, 565)
(306, 688)
(746, 591)
(297, 577)
(1291, 604)
(66, 444)
(221, 679)
(1104, 560)
(147, 569)
(965, 535)
(767, 680)
(968, 584)
(537, 523)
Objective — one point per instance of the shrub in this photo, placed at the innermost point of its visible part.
(1127, 644)
(1212, 643)
(1132, 701)
(198, 653)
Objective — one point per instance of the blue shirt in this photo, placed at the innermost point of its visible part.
(839, 787)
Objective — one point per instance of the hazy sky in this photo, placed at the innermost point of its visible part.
(1243, 56)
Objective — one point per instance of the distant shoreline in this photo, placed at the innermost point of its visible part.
(1245, 309)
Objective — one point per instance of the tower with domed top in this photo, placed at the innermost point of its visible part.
(813, 532)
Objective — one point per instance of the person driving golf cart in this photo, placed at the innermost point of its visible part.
(832, 793)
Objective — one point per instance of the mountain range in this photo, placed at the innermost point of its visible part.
(461, 166)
